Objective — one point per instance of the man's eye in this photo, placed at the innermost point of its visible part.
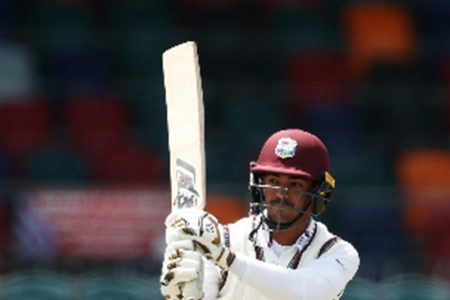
(296, 185)
(273, 181)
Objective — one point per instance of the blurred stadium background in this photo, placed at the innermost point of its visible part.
(83, 139)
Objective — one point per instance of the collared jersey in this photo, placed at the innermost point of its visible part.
(317, 267)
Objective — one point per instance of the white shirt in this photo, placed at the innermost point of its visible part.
(307, 270)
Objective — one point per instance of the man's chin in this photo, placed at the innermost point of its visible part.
(283, 219)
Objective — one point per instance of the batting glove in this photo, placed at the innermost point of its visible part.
(182, 274)
(204, 231)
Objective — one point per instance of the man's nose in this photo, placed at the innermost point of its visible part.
(282, 192)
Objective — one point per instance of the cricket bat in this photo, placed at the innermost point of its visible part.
(185, 120)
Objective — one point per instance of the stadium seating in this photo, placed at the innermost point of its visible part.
(221, 12)
(5, 227)
(128, 164)
(57, 164)
(96, 122)
(371, 220)
(138, 13)
(433, 22)
(251, 114)
(360, 167)
(399, 108)
(8, 11)
(227, 209)
(296, 29)
(229, 53)
(59, 24)
(424, 178)
(147, 111)
(275, 4)
(444, 77)
(17, 75)
(25, 126)
(142, 30)
(436, 253)
(224, 164)
(316, 78)
(378, 33)
(435, 242)
(339, 125)
(5, 166)
(77, 70)
(138, 51)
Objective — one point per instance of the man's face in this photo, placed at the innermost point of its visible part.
(286, 204)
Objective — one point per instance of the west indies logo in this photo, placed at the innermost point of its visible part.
(285, 148)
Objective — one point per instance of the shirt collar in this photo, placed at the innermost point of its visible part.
(306, 237)
(263, 237)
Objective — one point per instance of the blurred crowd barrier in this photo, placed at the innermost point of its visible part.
(80, 228)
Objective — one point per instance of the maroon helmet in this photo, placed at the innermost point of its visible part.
(293, 152)
(298, 153)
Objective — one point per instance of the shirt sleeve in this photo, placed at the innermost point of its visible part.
(322, 279)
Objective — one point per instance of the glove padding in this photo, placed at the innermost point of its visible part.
(204, 231)
(182, 274)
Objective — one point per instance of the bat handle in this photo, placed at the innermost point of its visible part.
(191, 291)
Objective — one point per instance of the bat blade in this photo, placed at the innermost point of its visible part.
(185, 120)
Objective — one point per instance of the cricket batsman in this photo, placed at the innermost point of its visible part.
(279, 251)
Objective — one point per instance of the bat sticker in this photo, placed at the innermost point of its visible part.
(187, 195)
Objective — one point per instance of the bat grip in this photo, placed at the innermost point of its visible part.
(191, 292)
